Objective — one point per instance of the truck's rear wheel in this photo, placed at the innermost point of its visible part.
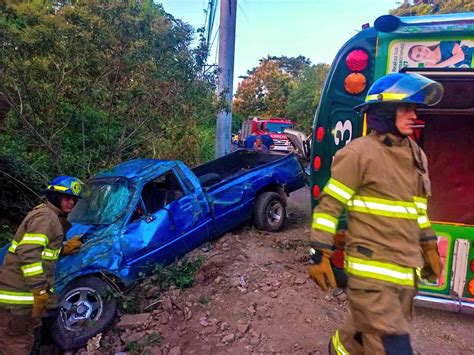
(269, 212)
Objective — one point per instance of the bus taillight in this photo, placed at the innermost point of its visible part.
(355, 83)
(316, 191)
(320, 134)
(472, 265)
(470, 287)
(357, 60)
(317, 163)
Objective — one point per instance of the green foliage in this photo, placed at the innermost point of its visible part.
(203, 300)
(153, 339)
(180, 274)
(304, 98)
(430, 7)
(133, 347)
(294, 66)
(126, 303)
(91, 84)
(237, 119)
(19, 189)
(264, 92)
(6, 234)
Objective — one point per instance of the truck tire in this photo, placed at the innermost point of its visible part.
(269, 212)
(87, 308)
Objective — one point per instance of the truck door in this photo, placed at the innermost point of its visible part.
(168, 221)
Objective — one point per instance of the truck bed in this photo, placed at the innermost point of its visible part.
(232, 165)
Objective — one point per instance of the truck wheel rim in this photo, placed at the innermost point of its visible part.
(81, 308)
(274, 213)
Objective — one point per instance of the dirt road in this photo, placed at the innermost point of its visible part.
(253, 296)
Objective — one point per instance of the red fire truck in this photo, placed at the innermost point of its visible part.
(276, 126)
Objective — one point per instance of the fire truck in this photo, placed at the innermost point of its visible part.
(445, 132)
(276, 126)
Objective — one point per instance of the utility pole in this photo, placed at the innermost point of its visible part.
(226, 74)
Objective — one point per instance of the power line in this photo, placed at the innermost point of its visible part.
(211, 16)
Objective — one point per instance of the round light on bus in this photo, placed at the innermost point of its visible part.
(470, 287)
(320, 134)
(317, 163)
(357, 60)
(316, 191)
(355, 83)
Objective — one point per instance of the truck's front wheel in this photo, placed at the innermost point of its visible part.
(269, 212)
(87, 307)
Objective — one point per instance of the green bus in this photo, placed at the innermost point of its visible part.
(440, 47)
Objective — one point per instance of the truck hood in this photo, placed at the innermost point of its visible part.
(300, 142)
(101, 250)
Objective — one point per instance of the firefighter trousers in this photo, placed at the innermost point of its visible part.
(378, 321)
(17, 329)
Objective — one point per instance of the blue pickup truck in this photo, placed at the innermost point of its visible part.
(146, 211)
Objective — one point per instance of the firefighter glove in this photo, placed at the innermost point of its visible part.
(71, 246)
(320, 270)
(433, 265)
(41, 299)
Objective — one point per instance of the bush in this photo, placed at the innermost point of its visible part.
(6, 235)
(180, 274)
(19, 193)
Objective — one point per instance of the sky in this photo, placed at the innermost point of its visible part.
(315, 29)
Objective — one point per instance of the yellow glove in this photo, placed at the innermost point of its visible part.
(320, 271)
(71, 246)
(41, 299)
(433, 265)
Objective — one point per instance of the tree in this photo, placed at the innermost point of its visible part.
(282, 87)
(428, 7)
(294, 66)
(90, 84)
(264, 92)
(304, 98)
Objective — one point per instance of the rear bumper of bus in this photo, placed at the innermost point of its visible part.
(450, 305)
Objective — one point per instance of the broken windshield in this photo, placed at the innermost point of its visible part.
(104, 201)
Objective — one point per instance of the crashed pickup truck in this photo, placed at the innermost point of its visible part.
(144, 212)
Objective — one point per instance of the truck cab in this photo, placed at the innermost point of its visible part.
(445, 132)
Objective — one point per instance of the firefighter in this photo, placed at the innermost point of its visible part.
(381, 180)
(27, 275)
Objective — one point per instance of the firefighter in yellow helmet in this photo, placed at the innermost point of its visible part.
(381, 180)
(27, 274)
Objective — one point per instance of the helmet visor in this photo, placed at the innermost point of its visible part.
(414, 88)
